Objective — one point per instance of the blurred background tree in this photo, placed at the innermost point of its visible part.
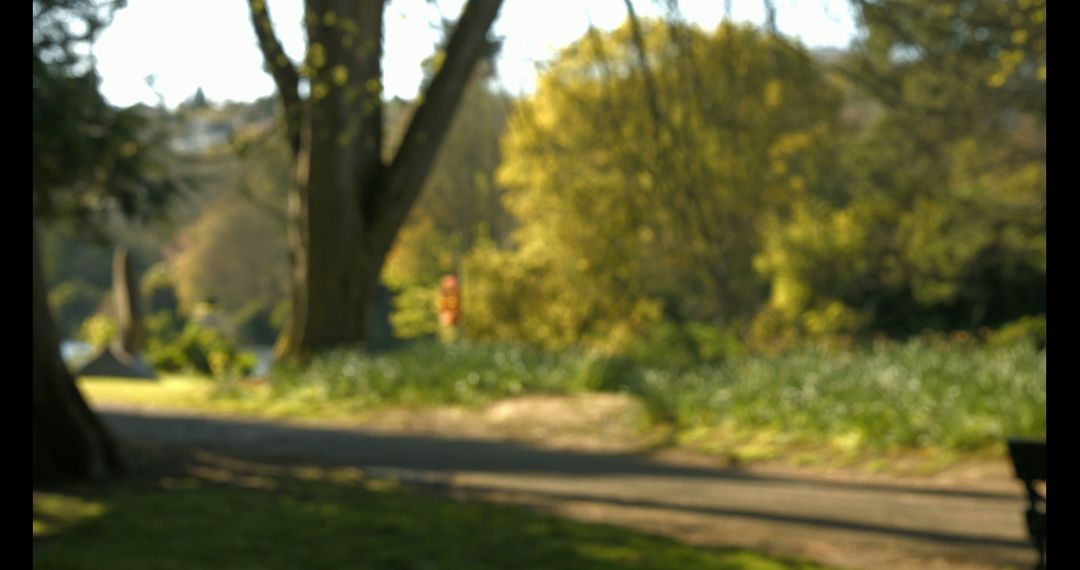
(641, 185)
(349, 201)
(942, 224)
(90, 161)
(460, 206)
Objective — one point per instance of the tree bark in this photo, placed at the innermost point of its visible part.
(70, 443)
(130, 329)
(346, 204)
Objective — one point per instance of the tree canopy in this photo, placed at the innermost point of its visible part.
(652, 177)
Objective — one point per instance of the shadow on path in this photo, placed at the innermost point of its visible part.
(359, 448)
(817, 522)
(933, 515)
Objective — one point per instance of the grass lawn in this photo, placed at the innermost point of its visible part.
(228, 514)
(203, 394)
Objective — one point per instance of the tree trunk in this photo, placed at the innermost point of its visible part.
(70, 443)
(346, 204)
(130, 329)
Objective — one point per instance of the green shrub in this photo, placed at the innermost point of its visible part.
(177, 345)
(679, 345)
(1031, 329)
(98, 331)
(414, 313)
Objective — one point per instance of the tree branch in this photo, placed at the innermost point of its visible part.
(416, 154)
(280, 68)
(651, 92)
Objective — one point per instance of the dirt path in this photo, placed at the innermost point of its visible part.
(851, 522)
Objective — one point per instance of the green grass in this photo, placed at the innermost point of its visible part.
(430, 373)
(223, 517)
(946, 399)
(881, 398)
(198, 393)
(887, 396)
(54, 513)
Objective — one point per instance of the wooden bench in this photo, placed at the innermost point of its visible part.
(1029, 459)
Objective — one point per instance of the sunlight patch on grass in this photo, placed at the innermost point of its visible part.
(54, 512)
(203, 394)
(168, 391)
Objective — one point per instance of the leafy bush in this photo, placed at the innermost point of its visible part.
(99, 330)
(176, 345)
(414, 313)
(679, 345)
(1031, 329)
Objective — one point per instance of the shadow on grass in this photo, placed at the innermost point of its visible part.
(188, 508)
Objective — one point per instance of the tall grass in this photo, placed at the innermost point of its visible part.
(884, 396)
(888, 395)
(428, 373)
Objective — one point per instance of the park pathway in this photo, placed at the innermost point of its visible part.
(851, 524)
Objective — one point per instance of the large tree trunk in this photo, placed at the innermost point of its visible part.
(338, 158)
(70, 443)
(346, 204)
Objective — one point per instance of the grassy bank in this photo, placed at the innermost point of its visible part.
(960, 398)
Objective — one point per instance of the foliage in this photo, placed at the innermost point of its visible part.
(175, 342)
(232, 253)
(538, 297)
(426, 372)
(461, 205)
(98, 330)
(942, 224)
(184, 345)
(681, 345)
(88, 158)
(414, 313)
(1031, 329)
(952, 61)
(635, 200)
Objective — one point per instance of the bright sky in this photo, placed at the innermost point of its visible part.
(187, 44)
